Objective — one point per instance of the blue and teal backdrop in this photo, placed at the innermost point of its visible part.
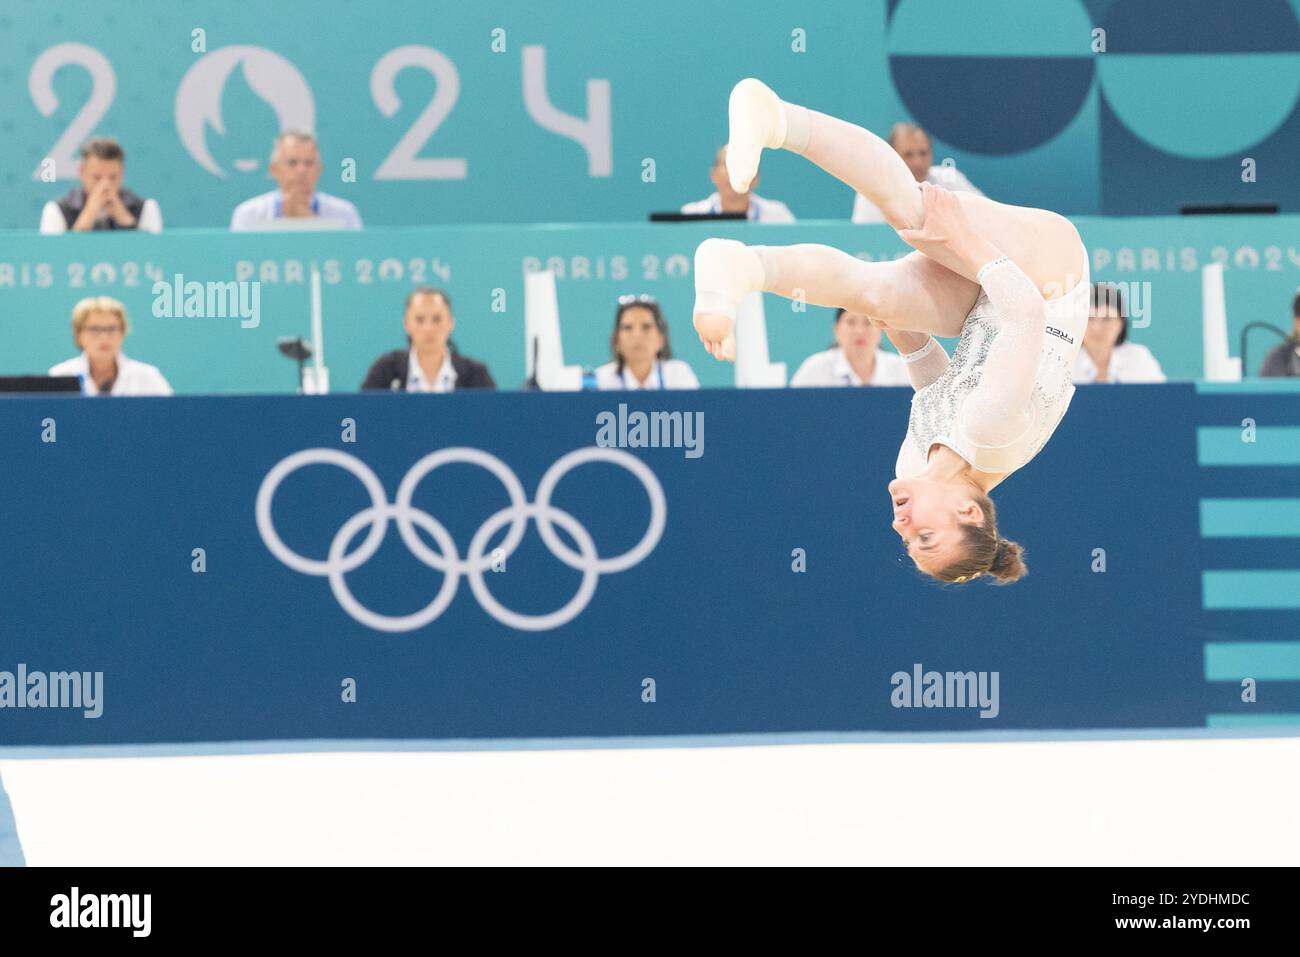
(773, 598)
(434, 111)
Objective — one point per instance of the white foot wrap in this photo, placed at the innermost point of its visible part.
(725, 272)
(756, 121)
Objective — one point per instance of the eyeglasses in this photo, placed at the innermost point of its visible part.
(102, 330)
(644, 297)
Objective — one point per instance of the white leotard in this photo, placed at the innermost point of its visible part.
(982, 406)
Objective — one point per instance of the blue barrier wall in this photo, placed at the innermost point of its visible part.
(1160, 108)
(366, 277)
(1199, 587)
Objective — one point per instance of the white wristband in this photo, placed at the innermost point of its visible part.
(989, 267)
(920, 353)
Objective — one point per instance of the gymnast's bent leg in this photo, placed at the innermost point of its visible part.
(913, 294)
(1044, 244)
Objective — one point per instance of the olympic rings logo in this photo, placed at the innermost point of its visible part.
(447, 559)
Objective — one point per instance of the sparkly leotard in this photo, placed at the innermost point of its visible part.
(942, 414)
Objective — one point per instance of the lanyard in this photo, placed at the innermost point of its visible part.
(658, 365)
(279, 206)
(751, 213)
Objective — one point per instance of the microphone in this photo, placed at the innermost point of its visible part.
(295, 347)
(531, 384)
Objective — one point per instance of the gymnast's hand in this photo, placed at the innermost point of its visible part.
(946, 234)
(943, 223)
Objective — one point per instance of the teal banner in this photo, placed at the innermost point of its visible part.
(366, 277)
(434, 111)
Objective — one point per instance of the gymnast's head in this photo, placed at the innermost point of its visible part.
(949, 529)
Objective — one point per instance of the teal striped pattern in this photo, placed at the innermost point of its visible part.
(1251, 720)
(1250, 589)
(1273, 445)
(1250, 604)
(1261, 660)
(1249, 387)
(1250, 517)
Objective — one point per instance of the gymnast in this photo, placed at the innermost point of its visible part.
(1011, 281)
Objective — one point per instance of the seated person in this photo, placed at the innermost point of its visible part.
(724, 199)
(643, 356)
(98, 327)
(1284, 358)
(430, 363)
(296, 166)
(1107, 355)
(855, 359)
(101, 202)
(913, 144)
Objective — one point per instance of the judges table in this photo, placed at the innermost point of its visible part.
(272, 571)
(224, 340)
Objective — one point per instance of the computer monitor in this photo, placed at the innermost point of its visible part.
(680, 217)
(39, 383)
(1229, 209)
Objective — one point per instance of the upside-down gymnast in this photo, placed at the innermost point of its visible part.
(1011, 281)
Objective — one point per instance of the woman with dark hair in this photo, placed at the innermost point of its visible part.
(1107, 355)
(430, 363)
(1011, 281)
(643, 356)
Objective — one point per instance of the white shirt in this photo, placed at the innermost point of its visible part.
(949, 177)
(760, 210)
(1129, 362)
(53, 223)
(676, 375)
(133, 378)
(260, 211)
(444, 381)
(831, 368)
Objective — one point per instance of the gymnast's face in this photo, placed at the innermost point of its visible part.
(855, 334)
(429, 322)
(928, 515)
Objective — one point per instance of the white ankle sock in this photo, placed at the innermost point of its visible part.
(770, 271)
(796, 127)
(725, 272)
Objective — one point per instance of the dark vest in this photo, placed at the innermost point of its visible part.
(74, 202)
(1282, 360)
(391, 371)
